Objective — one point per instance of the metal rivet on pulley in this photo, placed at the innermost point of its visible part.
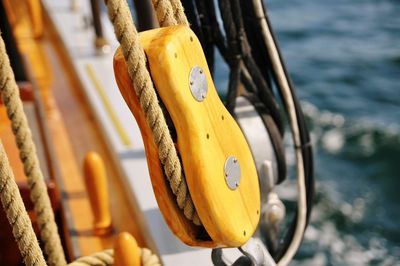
(198, 83)
(232, 172)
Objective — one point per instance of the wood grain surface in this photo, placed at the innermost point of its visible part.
(206, 136)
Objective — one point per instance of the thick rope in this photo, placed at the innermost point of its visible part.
(164, 12)
(128, 37)
(170, 12)
(27, 152)
(148, 258)
(17, 215)
(106, 258)
(179, 12)
(103, 258)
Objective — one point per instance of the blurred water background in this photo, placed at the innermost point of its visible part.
(344, 59)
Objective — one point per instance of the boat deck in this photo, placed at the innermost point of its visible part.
(73, 132)
(89, 114)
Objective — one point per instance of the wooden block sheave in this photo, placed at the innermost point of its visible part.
(206, 136)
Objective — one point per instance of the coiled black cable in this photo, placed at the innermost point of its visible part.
(244, 50)
(234, 48)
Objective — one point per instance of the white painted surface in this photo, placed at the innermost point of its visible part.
(78, 40)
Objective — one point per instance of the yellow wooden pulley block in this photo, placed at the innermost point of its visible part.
(217, 162)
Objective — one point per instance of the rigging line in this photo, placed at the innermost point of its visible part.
(264, 91)
(214, 37)
(216, 33)
(28, 156)
(218, 38)
(235, 54)
(291, 108)
(304, 134)
(234, 79)
(239, 47)
(253, 29)
(307, 159)
(258, 49)
(199, 22)
(134, 55)
(17, 216)
(207, 32)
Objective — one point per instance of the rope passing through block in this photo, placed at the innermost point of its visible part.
(133, 52)
(209, 141)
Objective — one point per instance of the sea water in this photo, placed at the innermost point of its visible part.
(344, 59)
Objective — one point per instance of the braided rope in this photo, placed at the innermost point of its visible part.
(148, 258)
(17, 215)
(27, 152)
(128, 37)
(102, 258)
(179, 12)
(10, 196)
(170, 12)
(164, 12)
(106, 258)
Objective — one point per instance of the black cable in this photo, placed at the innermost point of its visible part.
(216, 32)
(202, 23)
(234, 80)
(244, 50)
(240, 48)
(194, 18)
(304, 135)
(98, 28)
(206, 28)
(248, 82)
(235, 55)
(256, 41)
(146, 18)
(11, 46)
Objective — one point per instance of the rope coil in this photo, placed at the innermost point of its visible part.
(106, 258)
(102, 258)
